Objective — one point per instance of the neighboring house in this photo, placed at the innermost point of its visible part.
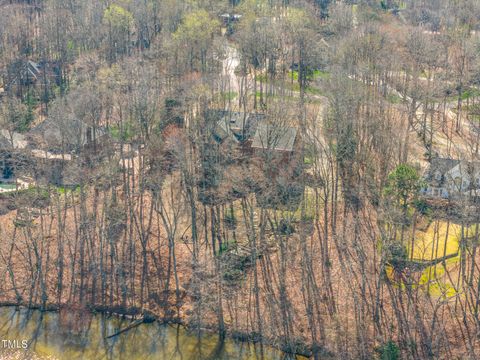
(25, 73)
(450, 178)
(252, 132)
(227, 19)
(17, 156)
(54, 152)
(56, 145)
(68, 135)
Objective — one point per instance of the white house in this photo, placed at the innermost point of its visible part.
(449, 178)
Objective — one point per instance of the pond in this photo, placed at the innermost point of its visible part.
(44, 336)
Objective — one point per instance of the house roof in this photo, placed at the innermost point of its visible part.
(469, 170)
(439, 166)
(469, 167)
(238, 125)
(12, 140)
(274, 138)
(223, 131)
(33, 68)
(235, 120)
(67, 131)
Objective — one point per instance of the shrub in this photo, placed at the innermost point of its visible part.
(388, 351)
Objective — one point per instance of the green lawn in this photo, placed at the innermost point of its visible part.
(432, 243)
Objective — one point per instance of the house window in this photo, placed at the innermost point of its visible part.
(458, 182)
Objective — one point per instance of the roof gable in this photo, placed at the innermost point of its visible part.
(466, 168)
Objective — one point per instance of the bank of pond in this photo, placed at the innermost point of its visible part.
(31, 334)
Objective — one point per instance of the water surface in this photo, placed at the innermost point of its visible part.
(50, 338)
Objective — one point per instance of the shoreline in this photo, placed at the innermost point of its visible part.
(134, 313)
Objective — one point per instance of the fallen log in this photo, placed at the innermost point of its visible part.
(420, 265)
(129, 327)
